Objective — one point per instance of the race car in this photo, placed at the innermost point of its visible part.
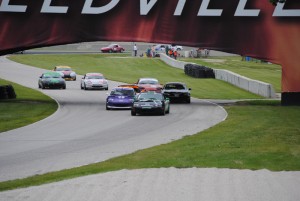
(66, 72)
(150, 102)
(93, 81)
(177, 92)
(120, 98)
(51, 80)
(134, 86)
(149, 84)
(113, 48)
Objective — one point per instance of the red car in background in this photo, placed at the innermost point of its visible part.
(113, 48)
(149, 84)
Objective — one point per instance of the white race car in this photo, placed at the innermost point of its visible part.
(94, 81)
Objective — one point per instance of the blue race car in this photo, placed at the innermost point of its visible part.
(120, 98)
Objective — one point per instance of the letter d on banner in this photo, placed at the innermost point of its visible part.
(88, 9)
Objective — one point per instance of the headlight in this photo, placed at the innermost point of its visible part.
(88, 83)
(110, 99)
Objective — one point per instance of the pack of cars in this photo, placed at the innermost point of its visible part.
(146, 96)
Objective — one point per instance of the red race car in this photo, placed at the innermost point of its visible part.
(149, 84)
(113, 48)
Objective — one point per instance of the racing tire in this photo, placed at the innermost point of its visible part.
(64, 87)
(188, 100)
(133, 113)
(168, 111)
(81, 87)
(110, 51)
(106, 89)
(43, 87)
(107, 108)
(163, 113)
(85, 87)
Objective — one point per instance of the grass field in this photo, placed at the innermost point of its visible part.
(121, 67)
(257, 134)
(29, 106)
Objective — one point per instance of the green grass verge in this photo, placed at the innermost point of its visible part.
(269, 73)
(30, 106)
(122, 67)
(256, 135)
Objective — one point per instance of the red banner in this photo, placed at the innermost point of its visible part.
(253, 28)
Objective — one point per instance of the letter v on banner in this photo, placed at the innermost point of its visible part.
(145, 7)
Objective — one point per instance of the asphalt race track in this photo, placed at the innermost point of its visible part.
(83, 132)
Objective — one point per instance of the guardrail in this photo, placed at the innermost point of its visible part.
(253, 86)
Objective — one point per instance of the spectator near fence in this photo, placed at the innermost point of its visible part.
(175, 54)
(135, 50)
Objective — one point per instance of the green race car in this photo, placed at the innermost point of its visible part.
(51, 80)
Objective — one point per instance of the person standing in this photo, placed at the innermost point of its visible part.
(135, 50)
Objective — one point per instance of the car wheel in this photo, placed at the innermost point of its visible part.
(106, 88)
(40, 86)
(74, 79)
(107, 108)
(163, 112)
(43, 87)
(188, 100)
(85, 87)
(133, 113)
(81, 87)
(110, 51)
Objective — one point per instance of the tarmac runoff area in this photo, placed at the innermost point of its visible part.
(168, 184)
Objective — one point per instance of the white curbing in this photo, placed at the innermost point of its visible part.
(253, 86)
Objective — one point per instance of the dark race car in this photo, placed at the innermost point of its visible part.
(150, 103)
(120, 98)
(51, 80)
(177, 92)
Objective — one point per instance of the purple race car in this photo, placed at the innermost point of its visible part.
(120, 98)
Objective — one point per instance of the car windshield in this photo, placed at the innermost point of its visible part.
(113, 45)
(63, 69)
(51, 76)
(150, 96)
(95, 77)
(122, 92)
(148, 82)
(174, 86)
